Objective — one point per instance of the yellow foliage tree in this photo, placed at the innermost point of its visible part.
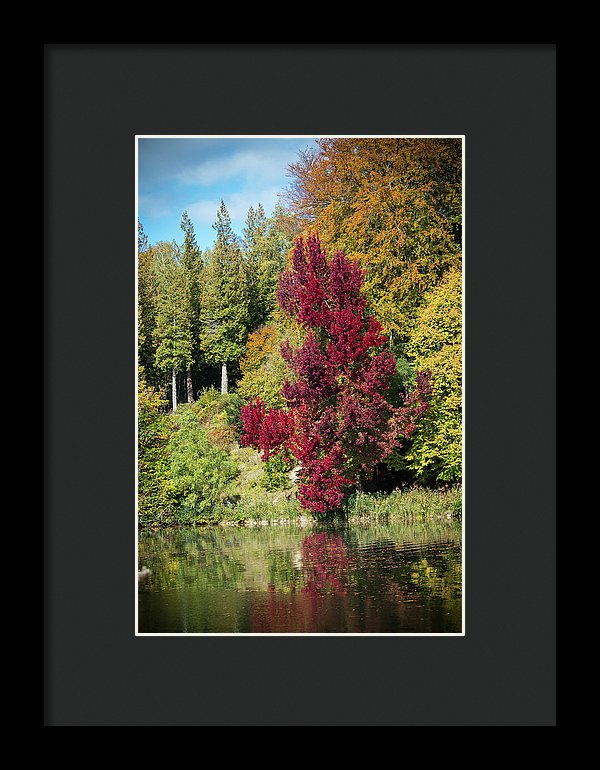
(394, 205)
(435, 343)
(263, 369)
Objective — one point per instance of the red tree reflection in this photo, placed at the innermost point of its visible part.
(325, 563)
(324, 568)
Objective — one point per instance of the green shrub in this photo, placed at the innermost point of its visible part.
(457, 506)
(276, 473)
(220, 412)
(201, 473)
(155, 490)
(232, 404)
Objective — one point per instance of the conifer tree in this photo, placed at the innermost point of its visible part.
(224, 316)
(264, 250)
(143, 244)
(191, 261)
(172, 333)
(146, 307)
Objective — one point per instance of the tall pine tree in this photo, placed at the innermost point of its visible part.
(147, 257)
(224, 302)
(172, 334)
(264, 254)
(191, 261)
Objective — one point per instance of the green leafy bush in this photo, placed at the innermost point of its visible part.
(155, 489)
(201, 473)
(276, 473)
(457, 507)
(220, 412)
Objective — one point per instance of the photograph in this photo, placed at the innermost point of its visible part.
(298, 364)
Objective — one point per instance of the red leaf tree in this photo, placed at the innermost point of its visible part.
(339, 422)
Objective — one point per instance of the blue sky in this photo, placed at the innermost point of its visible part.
(193, 174)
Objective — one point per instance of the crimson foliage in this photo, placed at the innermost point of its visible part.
(339, 422)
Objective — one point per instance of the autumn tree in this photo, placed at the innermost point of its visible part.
(286, 223)
(435, 343)
(224, 302)
(263, 369)
(392, 204)
(340, 420)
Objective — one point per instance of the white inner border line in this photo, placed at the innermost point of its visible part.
(242, 635)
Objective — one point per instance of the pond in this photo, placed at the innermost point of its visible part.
(402, 577)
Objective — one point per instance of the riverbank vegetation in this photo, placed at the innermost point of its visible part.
(311, 367)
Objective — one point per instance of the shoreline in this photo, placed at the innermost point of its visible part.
(303, 522)
(412, 504)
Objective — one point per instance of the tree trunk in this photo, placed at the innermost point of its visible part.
(224, 382)
(174, 388)
(190, 389)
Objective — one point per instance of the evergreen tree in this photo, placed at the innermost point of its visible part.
(146, 307)
(264, 252)
(253, 227)
(226, 242)
(143, 244)
(191, 255)
(191, 261)
(224, 312)
(172, 334)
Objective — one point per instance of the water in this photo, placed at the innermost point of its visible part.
(375, 578)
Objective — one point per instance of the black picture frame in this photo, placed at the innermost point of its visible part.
(502, 98)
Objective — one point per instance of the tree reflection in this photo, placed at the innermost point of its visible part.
(388, 578)
(325, 564)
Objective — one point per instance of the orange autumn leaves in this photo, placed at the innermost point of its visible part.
(392, 204)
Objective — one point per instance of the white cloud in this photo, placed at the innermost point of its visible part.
(154, 206)
(251, 165)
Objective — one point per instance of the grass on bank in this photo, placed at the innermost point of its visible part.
(409, 503)
(261, 508)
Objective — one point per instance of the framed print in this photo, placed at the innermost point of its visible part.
(207, 605)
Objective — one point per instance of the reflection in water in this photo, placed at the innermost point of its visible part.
(393, 578)
(325, 563)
